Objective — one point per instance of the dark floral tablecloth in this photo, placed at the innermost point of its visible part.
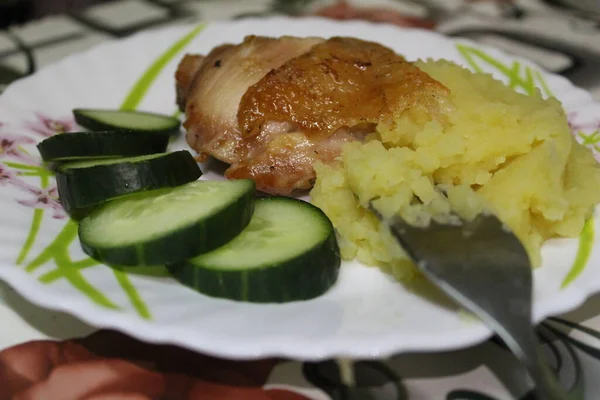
(108, 365)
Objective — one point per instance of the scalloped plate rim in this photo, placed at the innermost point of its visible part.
(576, 294)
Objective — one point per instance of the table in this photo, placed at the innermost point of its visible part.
(486, 371)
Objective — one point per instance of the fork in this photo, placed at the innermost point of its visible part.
(483, 266)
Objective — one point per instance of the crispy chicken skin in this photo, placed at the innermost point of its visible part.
(212, 100)
(271, 108)
(186, 72)
(339, 83)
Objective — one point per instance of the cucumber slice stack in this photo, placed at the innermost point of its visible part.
(124, 153)
(100, 120)
(140, 206)
(288, 252)
(96, 145)
(168, 225)
(83, 184)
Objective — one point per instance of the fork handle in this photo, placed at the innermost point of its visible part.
(547, 386)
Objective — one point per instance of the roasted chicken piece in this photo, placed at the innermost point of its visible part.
(271, 108)
(212, 96)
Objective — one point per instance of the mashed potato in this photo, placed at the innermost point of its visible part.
(494, 148)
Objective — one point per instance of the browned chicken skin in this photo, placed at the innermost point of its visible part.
(273, 107)
(213, 98)
(186, 72)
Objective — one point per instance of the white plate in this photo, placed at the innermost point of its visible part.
(365, 315)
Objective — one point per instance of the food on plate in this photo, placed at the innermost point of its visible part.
(139, 121)
(140, 213)
(71, 146)
(287, 252)
(359, 123)
(492, 148)
(85, 184)
(273, 107)
(351, 120)
(168, 225)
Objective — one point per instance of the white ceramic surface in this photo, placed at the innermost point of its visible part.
(365, 315)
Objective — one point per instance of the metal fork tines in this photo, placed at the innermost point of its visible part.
(483, 266)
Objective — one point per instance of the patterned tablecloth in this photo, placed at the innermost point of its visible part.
(486, 371)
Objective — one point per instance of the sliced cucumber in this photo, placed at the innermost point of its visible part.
(83, 184)
(168, 225)
(81, 145)
(101, 119)
(288, 252)
(77, 214)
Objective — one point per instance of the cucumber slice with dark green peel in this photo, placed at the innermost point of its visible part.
(155, 271)
(83, 184)
(168, 225)
(141, 121)
(288, 252)
(106, 144)
(77, 214)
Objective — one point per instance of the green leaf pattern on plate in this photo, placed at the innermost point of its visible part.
(519, 76)
(528, 80)
(57, 252)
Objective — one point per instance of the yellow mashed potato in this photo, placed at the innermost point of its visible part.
(494, 147)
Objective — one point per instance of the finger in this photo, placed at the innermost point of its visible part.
(89, 378)
(25, 364)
